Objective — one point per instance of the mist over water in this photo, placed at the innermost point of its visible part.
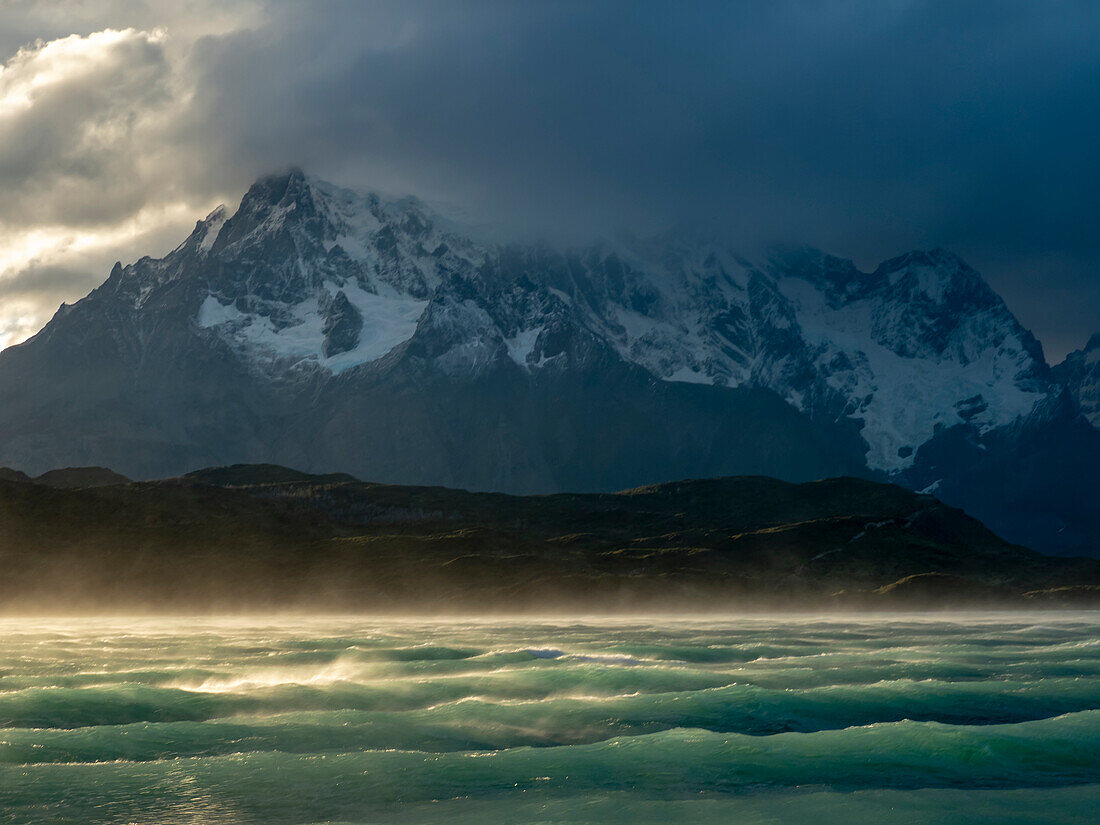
(967, 718)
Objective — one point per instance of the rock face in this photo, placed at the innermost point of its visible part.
(332, 330)
(341, 326)
(1080, 373)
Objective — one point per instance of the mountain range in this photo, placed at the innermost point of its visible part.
(336, 330)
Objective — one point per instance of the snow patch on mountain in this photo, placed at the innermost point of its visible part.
(212, 226)
(388, 320)
(213, 313)
(688, 375)
(903, 400)
(671, 307)
(522, 343)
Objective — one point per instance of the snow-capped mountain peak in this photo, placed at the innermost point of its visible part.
(309, 275)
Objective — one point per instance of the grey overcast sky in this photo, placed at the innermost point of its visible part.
(864, 127)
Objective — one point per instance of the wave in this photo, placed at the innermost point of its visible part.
(139, 722)
(296, 724)
(676, 763)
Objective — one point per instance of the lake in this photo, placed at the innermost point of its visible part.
(975, 718)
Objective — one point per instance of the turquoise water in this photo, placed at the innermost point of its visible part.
(989, 719)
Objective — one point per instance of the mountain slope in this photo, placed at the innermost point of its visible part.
(338, 331)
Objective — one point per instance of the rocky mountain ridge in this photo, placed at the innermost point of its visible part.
(1080, 374)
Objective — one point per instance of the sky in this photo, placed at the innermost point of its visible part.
(864, 127)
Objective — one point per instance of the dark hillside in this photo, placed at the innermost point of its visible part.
(264, 537)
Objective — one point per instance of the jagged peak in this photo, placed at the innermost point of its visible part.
(219, 212)
(295, 185)
(275, 193)
(1085, 358)
(942, 262)
(814, 265)
(825, 269)
(942, 275)
(326, 212)
(275, 187)
(206, 230)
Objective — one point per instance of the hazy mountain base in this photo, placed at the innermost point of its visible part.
(261, 538)
(603, 426)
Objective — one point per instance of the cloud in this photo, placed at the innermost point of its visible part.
(88, 166)
(865, 127)
(74, 118)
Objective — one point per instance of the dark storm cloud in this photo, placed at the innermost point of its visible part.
(866, 128)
